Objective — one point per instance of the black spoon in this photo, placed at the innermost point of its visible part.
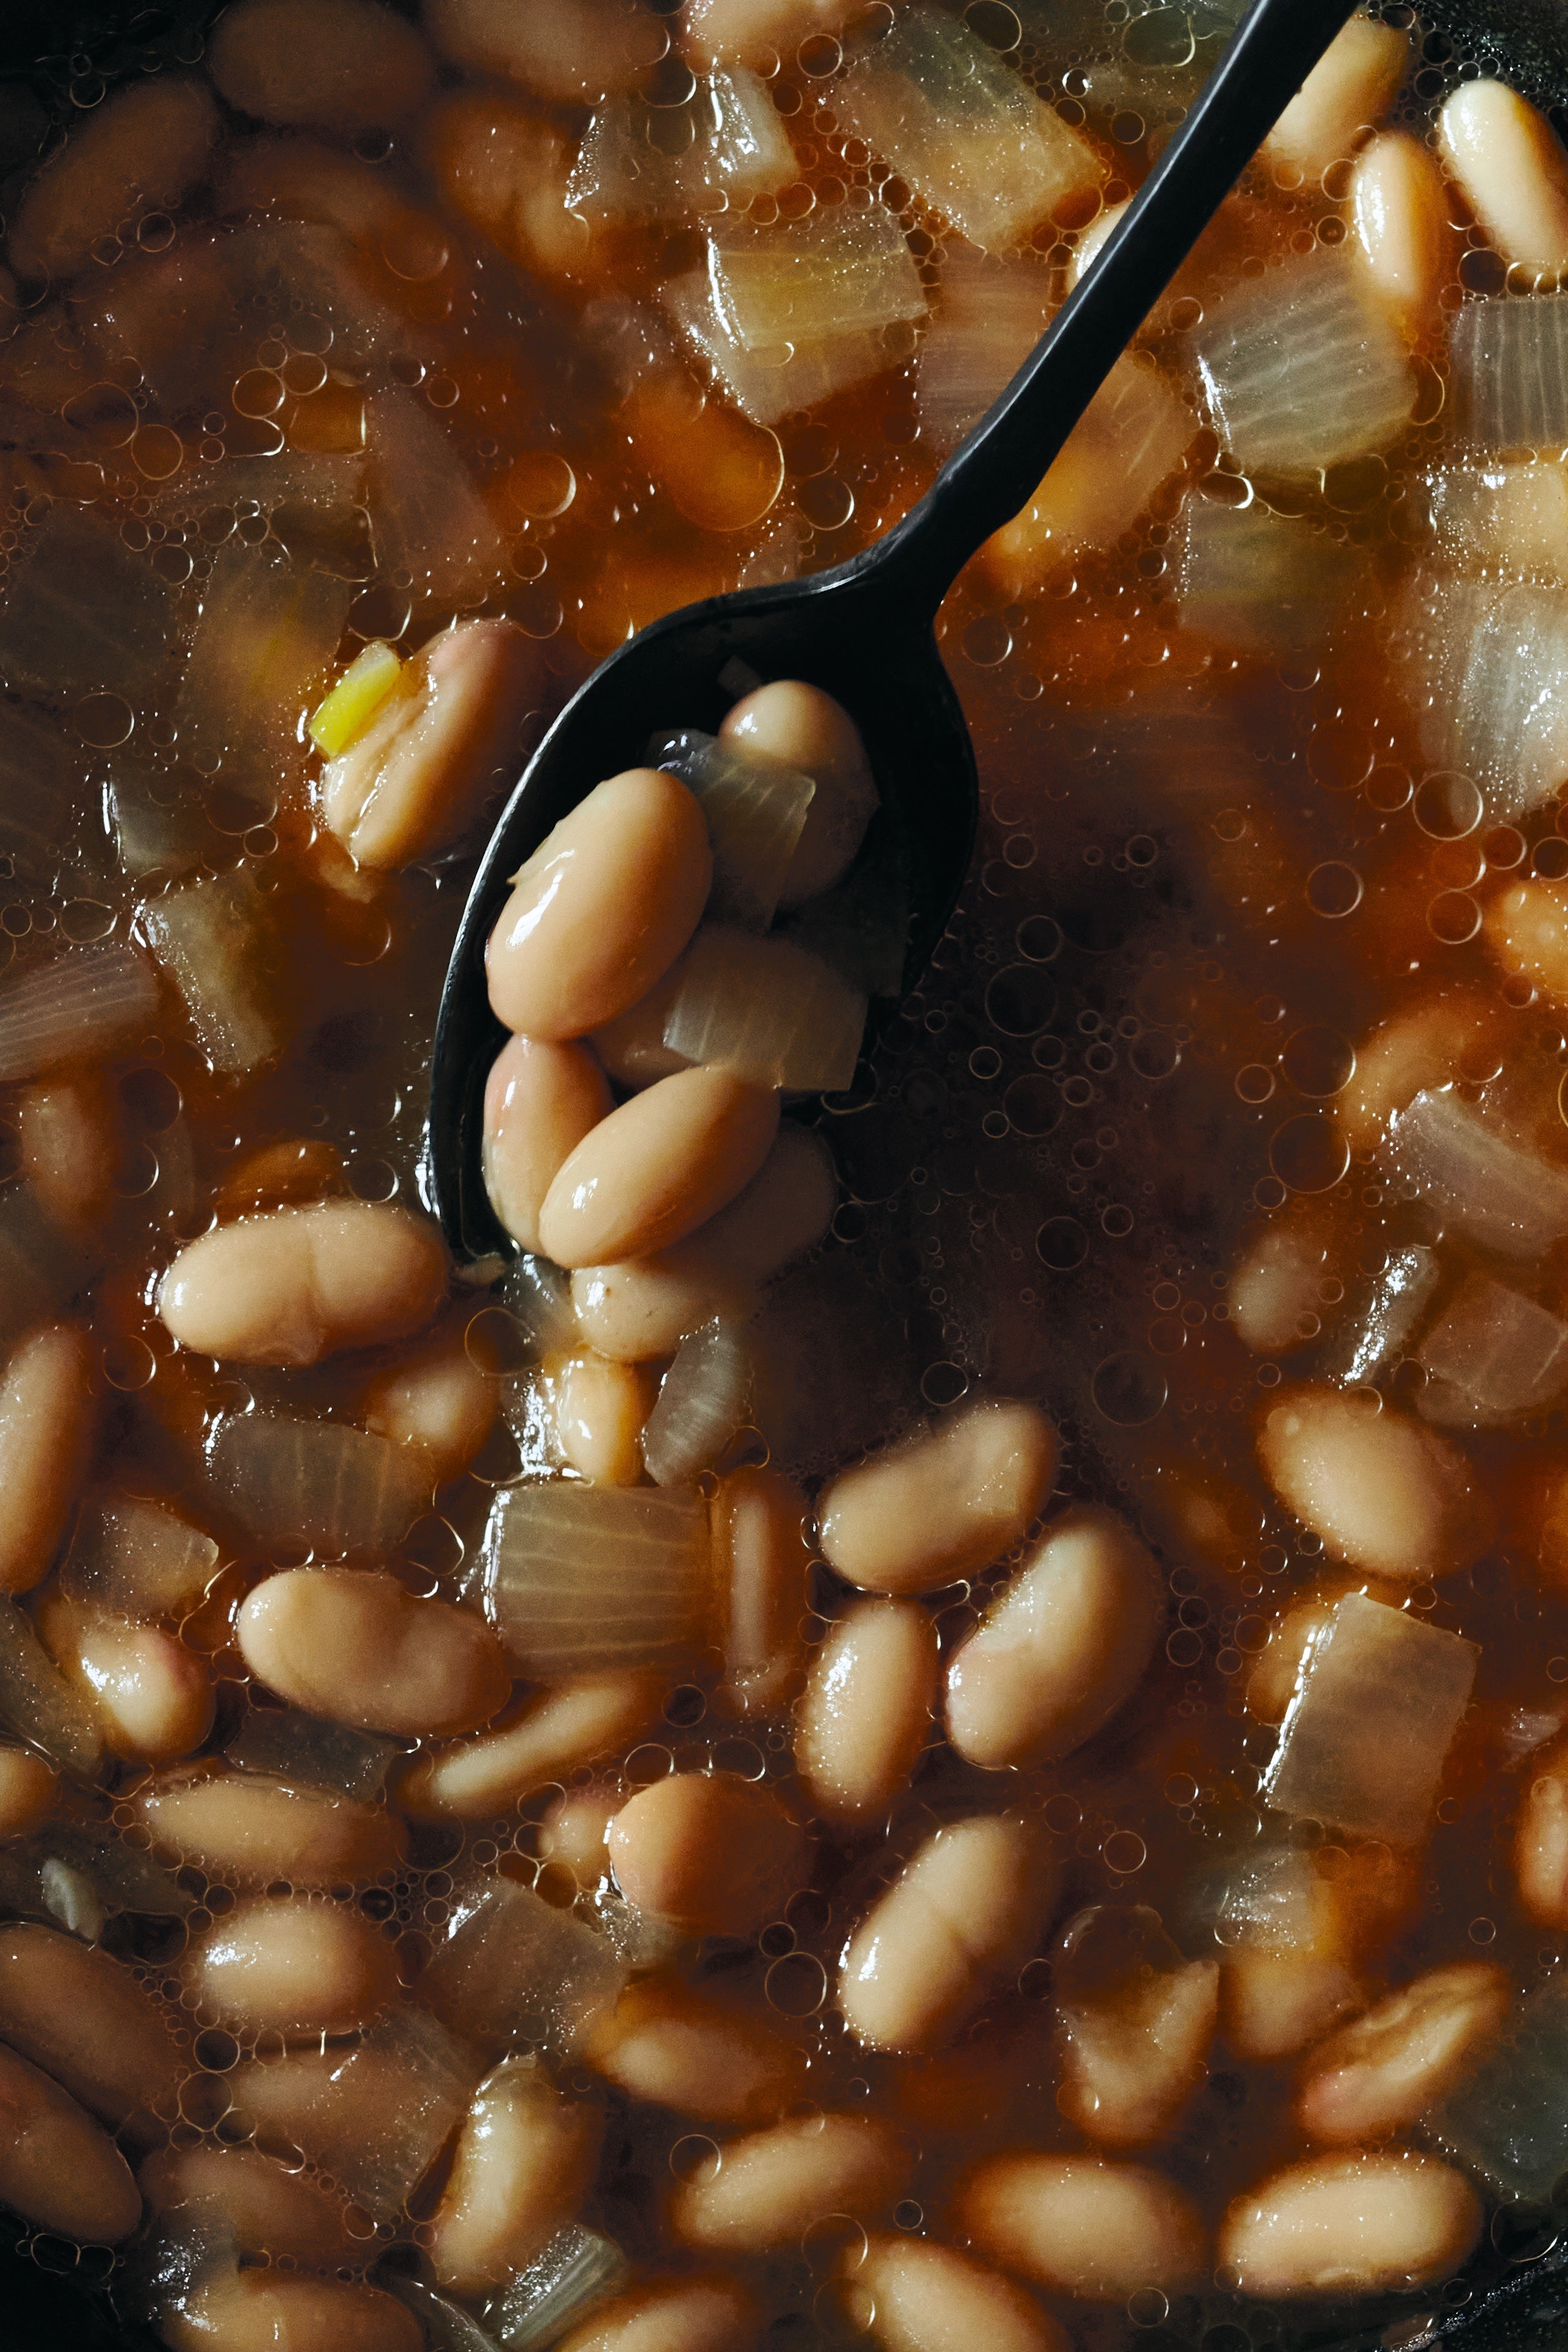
(865, 631)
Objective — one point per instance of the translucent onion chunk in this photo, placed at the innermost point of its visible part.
(581, 1579)
(37, 1703)
(702, 1402)
(1502, 1196)
(1492, 1358)
(75, 1007)
(1300, 370)
(158, 823)
(1377, 1701)
(138, 1559)
(765, 1008)
(963, 128)
(81, 614)
(1505, 518)
(319, 1483)
(70, 1897)
(1261, 581)
(767, 384)
(211, 937)
(844, 269)
(124, 1877)
(990, 315)
(306, 1747)
(1401, 1293)
(263, 650)
(376, 2115)
(1508, 2116)
(755, 807)
(40, 783)
(564, 2283)
(425, 509)
(1508, 371)
(1485, 673)
(447, 2326)
(512, 1969)
(725, 145)
(1270, 1902)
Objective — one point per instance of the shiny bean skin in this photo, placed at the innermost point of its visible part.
(1062, 1646)
(257, 2310)
(524, 2163)
(631, 1048)
(1275, 1290)
(652, 1171)
(414, 780)
(962, 1910)
(340, 66)
(291, 1964)
(139, 150)
(911, 2295)
(1351, 2224)
(598, 1407)
(1380, 2074)
(1450, 1035)
(560, 1728)
(760, 1562)
(953, 1499)
(687, 2315)
(270, 2210)
(1277, 2004)
(254, 1827)
(572, 1834)
(1082, 2226)
(1341, 97)
(1130, 2065)
(1527, 931)
(294, 1285)
(602, 908)
(767, 2190)
(541, 1100)
(80, 2015)
(1513, 170)
(155, 1697)
(29, 1787)
(47, 1426)
(680, 2047)
(436, 1397)
(715, 1854)
(1399, 219)
(57, 2168)
(868, 1708)
(1384, 1491)
(807, 730)
(69, 1133)
(356, 1646)
(569, 50)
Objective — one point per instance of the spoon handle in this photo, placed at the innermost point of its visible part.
(998, 469)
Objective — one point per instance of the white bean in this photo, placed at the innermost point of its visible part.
(911, 2295)
(1341, 97)
(768, 2190)
(47, 1416)
(340, 66)
(1512, 168)
(291, 1288)
(560, 1728)
(961, 1912)
(1081, 2226)
(952, 1499)
(1353, 2224)
(866, 1711)
(1384, 1493)
(1380, 2074)
(524, 2162)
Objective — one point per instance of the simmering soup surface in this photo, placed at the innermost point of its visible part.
(937, 1713)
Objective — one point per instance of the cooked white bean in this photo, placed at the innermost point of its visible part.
(1341, 97)
(1342, 2225)
(340, 66)
(69, 1131)
(434, 1397)
(572, 1834)
(29, 1787)
(292, 1287)
(949, 1500)
(713, 1854)
(1384, 1491)
(767, 2190)
(57, 2168)
(80, 2015)
(270, 2210)
(754, 30)
(687, 2314)
(602, 908)
(254, 2310)
(1527, 931)
(47, 1416)
(911, 2295)
(356, 1646)
(1274, 1292)
(597, 1411)
(680, 2047)
(255, 1827)
(652, 1171)
(1275, 2003)
(760, 1562)
(154, 1696)
(1512, 168)
(291, 1964)
(868, 1708)
(1400, 221)
(1062, 1646)
(1081, 2226)
(1133, 2025)
(961, 1912)
(524, 2163)
(142, 149)
(541, 1100)
(1380, 2074)
(1455, 1034)
(505, 167)
(572, 50)
(560, 1728)
(808, 730)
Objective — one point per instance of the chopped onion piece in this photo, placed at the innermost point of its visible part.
(1400, 1296)
(307, 1748)
(1503, 1197)
(40, 779)
(81, 614)
(158, 824)
(963, 128)
(319, 1483)
(538, 1296)
(37, 1703)
(138, 1559)
(70, 1897)
(1271, 1902)
(581, 1579)
(425, 507)
(1507, 370)
(75, 1007)
(376, 2115)
(1494, 1356)
(992, 314)
(702, 1404)
(1487, 676)
(263, 648)
(766, 385)
(124, 1877)
(564, 2283)
(755, 807)
(1507, 517)
(766, 1009)
(1509, 2115)
(844, 269)
(1377, 1701)
(211, 936)
(447, 2326)
(1300, 370)
(512, 1969)
(727, 145)
(1262, 582)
